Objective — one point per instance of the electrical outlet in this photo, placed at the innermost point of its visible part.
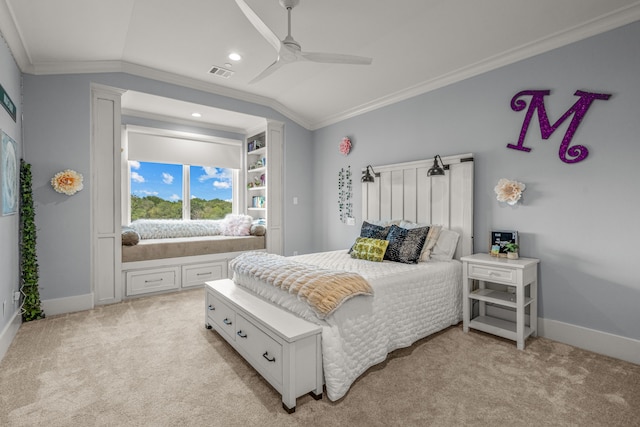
(16, 296)
(351, 221)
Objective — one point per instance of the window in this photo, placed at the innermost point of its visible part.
(163, 177)
(169, 191)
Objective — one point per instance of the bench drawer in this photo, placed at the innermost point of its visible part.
(222, 315)
(264, 351)
(145, 281)
(197, 274)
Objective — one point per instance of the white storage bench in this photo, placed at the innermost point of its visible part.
(282, 347)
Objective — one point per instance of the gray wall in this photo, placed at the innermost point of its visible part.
(579, 219)
(57, 128)
(9, 250)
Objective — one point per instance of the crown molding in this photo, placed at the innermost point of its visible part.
(596, 26)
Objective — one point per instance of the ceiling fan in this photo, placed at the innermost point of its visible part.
(288, 49)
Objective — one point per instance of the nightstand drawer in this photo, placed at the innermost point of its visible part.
(493, 274)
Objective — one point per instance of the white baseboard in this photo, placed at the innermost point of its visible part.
(589, 339)
(9, 332)
(67, 305)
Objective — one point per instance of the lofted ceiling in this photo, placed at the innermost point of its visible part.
(416, 45)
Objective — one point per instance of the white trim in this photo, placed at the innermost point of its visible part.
(9, 333)
(51, 307)
(181, 134)
(600, 342)
(589, 339)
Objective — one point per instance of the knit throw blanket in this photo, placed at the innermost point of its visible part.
(323, 290)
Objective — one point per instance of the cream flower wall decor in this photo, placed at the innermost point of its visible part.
(509, 191)
(67, 182)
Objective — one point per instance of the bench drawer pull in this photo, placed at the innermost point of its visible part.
(227, 321)
(241, 334)
(266, 356)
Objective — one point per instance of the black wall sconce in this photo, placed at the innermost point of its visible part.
(436, 170)
(369, 176)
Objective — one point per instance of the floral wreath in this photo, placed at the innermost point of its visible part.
(345, 145)
(67, 182)
(509, 191)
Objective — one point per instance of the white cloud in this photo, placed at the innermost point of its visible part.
(134, 164)
(174, 197)
(146, 192)
(167, 178)
(221, 184)
(136, 177)
(214, 173)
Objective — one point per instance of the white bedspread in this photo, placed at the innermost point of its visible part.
(410, 302)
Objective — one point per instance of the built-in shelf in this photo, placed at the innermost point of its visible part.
(497, 297)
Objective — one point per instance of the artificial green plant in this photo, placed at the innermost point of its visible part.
(31, 309)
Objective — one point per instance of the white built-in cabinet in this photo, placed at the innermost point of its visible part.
(264, 180)
(106, 240)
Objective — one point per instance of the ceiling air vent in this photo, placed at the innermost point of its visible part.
(221, 72)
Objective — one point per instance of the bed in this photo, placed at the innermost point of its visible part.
(408, 301)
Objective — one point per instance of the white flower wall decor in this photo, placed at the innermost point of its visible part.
(509, 191)
(67, 182)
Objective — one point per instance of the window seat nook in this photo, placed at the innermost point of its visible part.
(148, 249)
(171, 255)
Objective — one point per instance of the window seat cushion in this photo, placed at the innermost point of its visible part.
(148, 249)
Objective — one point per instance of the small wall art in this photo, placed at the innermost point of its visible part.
(9, 175)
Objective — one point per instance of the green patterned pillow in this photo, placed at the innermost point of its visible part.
(369, 249)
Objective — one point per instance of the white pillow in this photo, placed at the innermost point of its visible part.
(445, 247)
(236, 225)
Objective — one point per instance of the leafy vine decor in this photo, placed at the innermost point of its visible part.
(31, 309)
(345, 185)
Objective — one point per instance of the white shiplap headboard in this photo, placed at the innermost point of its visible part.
(404, 191)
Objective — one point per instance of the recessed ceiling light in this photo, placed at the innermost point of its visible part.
(196, 115)
(234, 56)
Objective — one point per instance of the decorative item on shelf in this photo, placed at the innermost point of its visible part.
(67, 182)
(436, 170)
(251, 146)
(512, 250)
(262, 179)
(500, 240)
(509, 191)
(345, 185)
(345, 145)
(258, 144)
(257, 182)
(369, 176)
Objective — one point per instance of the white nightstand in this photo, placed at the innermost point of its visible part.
(518, 274)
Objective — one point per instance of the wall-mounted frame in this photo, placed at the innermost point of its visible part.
(9, 175)
(499, 239)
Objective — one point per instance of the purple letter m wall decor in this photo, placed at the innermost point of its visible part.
(567, 153)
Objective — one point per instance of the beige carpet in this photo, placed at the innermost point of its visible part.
(151, 362)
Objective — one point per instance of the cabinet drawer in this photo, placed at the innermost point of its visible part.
(265, 353)
(222, 315)
(493, 274)
(145, 281)
(196, 275)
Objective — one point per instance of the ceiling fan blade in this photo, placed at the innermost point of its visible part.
(260, 26)
(336, 58)
(268, 71)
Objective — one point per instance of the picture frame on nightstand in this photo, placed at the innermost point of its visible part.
(499, 239)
